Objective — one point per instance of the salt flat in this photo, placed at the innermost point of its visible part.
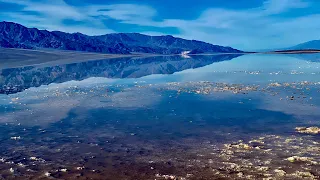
(10, 58)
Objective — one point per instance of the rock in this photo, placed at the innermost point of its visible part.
(240, 174)
(291, 159)
(276, 84)
(47, 174)
(15, 138)
(280, 172)
(21, 165)
(258, 144)
(63, 170)
(308, 130)
(262, 168)
(301, 174)
(33, 158)
(11, 170)
(299, 159)
(36, 159)
(80, 168)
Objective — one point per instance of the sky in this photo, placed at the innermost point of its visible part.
(242, 24)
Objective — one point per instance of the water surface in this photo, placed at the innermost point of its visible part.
(203, 117)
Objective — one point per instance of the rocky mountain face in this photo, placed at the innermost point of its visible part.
(13, 35)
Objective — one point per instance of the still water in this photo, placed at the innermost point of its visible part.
(172, 117)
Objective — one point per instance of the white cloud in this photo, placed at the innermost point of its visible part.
(47, 14)
(256, 28)
(278, 6)
(123, 12)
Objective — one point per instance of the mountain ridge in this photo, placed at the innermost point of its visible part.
(309, 45)
(14, 35)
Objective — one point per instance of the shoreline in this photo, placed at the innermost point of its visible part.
(15, 58)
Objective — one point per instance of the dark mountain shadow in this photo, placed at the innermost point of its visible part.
(17, 79)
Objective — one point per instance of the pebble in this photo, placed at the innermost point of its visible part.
(11, 170)
(33, 158)
(80, 168)
(299, 159)
(16, 138)
(280, 172)
(47, 174)
(63, 170)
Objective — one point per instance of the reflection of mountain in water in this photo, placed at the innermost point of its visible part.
(312, 57)
(17, 79)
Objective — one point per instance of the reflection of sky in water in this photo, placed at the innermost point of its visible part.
(52, 103)
(251, 69)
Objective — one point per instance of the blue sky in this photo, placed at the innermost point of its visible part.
(243, 24)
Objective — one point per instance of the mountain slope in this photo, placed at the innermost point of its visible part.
(13, 35)
(315, 44)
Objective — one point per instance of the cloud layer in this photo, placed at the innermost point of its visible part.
(273, 24)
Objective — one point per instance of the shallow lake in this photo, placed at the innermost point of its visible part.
(172, 117)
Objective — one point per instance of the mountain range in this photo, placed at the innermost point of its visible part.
(13, 35)
(310, 45)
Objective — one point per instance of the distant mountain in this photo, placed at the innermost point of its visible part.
(13, 35)
(14, 80)
(310, 45)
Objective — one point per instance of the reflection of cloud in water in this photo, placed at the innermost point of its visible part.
(49, 104)
(41, 113)
(295, 107)
(238, 70)
(135, 98)
(130, 98)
